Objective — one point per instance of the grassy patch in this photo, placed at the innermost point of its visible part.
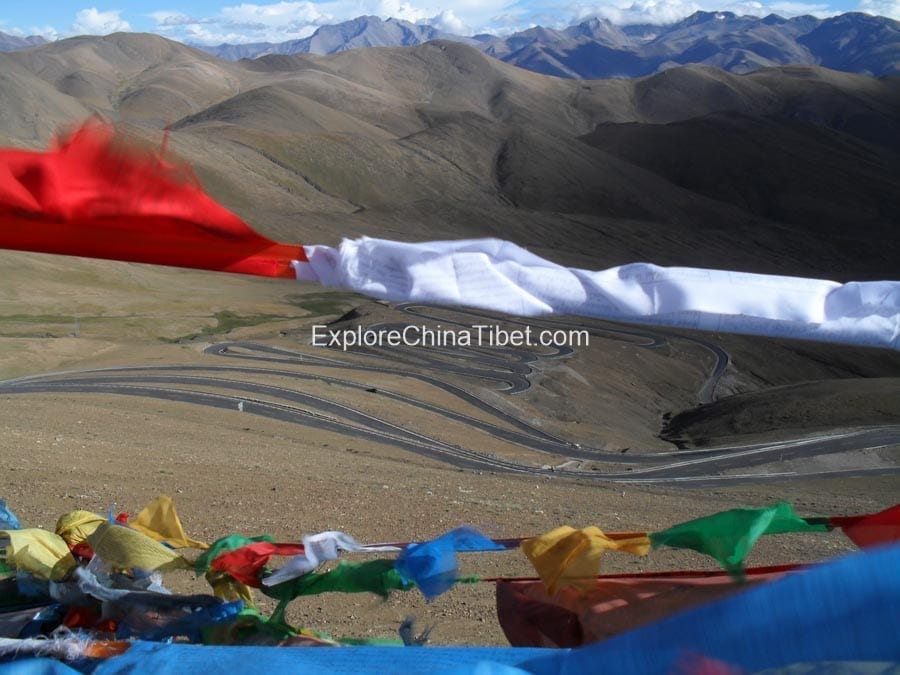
(227, 321)
(313, 304)
(323, 304)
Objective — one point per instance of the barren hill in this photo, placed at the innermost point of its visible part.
(791, 170)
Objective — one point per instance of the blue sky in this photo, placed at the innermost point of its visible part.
(216, 21)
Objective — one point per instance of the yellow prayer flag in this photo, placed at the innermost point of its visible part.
(75, 526)
(39, 552)
(569, 556)
(160, 521)
(125, 548)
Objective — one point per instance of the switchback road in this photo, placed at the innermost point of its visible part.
(238, 387)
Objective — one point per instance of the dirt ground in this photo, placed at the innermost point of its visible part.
(230, 474)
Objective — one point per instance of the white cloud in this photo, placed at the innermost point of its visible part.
(93, 22)
(639, 11)
(399, 10)
(506, 24)
(277, 15)
(166, 18)
(247, 22)
(668, 11)
(46, 32)
(199, 34)
(888, 8)
(448, 22)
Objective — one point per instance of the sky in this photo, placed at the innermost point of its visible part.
(212, 22)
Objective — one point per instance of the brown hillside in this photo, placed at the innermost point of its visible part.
(440, 140)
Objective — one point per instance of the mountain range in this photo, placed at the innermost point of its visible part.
(358, 33)
(791, 170)
(596, 48)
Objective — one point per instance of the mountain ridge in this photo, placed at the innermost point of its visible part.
(596, 48)
(361, 32)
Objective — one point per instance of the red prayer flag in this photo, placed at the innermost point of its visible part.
(88, 196)
(245, 563)
(871, 529)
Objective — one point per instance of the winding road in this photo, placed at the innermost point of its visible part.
(237, 387)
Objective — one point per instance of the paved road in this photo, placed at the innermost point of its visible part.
(639, 338)
(238, 387)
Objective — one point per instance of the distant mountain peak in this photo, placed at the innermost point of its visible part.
(596, 22)
(10, 43)
(700, 17)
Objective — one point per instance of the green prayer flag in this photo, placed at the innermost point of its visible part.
(371, 576)
(728, 536)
